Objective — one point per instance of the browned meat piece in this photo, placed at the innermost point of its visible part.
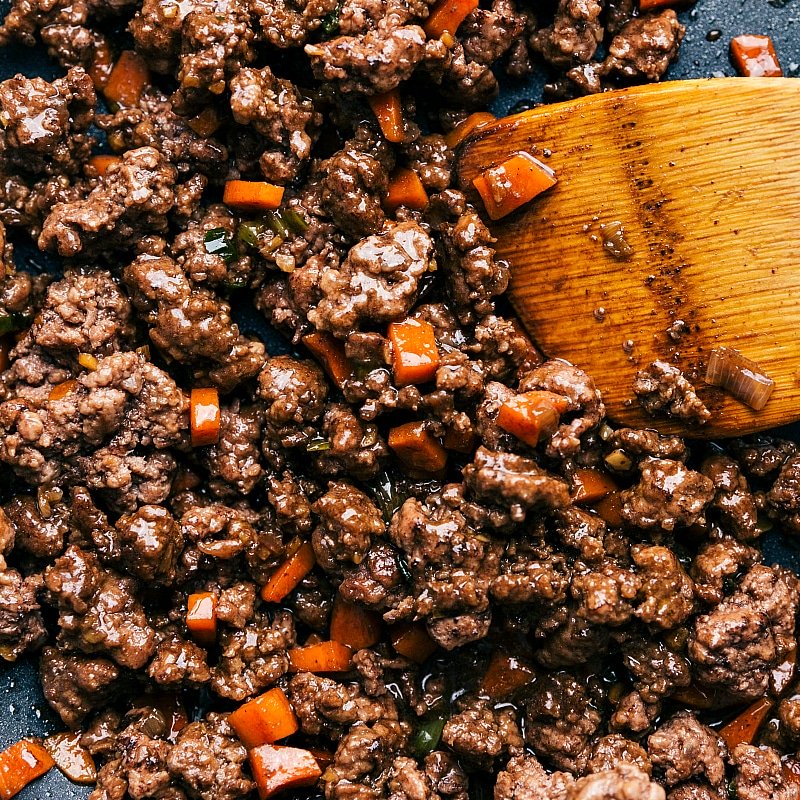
(611, 750)
(353, 186)
(378, 281)
(762, 456)
(487, 34)
(624, 782)
(668, 495)
(584, 401)
(217, 40)
(474, 275)
(355, 447)
(84, 313)
(667, 592)
(156, 30)
(581, 531)
(694, 791)
(348, 522)
(208, 759)
(325, 707)
(154, 123)
(223, 532)
(759, 775)
(514, 481)
(431, 158)
(132, 199)
(606, 594)
(236, 604)
(98, 609)
(662, 389)
(405, 780)
(656, 671)
(733, 500)
(524, 778)
(503, 347)
(633, 714)
(289, 23)
(34, 533)
(463, 82)
(295, 392)
(718, 562)
(45, 125)
(312, 602)
(192, 325)
(451, 567)
(178, 662)
(148, 544)
(289, 497)
(234, 463)
(565, 639)
(683, 748)
(481, 734)
(642, 51)
(452, 632)
(91, 433)
(377, 581)
(783, 499)
(645, 443)
(274, 108)
(376, 62)
(574, 35)
(561, 720)
(360, 765)
(21, 627)
(253, 658)
(446, 775)
(746, 635)
(530, 575)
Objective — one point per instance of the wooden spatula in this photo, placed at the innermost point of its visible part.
(704, 178)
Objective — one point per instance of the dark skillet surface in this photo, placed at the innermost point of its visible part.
(23, 710)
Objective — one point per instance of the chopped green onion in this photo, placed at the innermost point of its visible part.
(293, 221)
(218, 243)
(427, 737)
(13, 322)
(276, 224)
(249, 232)
(272, 245)
(318, 445)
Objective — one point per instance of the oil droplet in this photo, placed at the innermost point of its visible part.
(627, 346)
(713, 35)
(599, 314)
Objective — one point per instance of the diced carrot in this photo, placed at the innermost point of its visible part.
(20, 764)
(507, 186)
(411, 639)
(754, 57)
(201, 617)
(388, 110)
(504, 675)
(321, 657)
(650, 5)
(289, 574)
(127, 80)
(353, 625)
(61, 390)
(206, 123)
(590, 485)
(204, 416)
(102, 162)
(264, 720)
(447, 15)
(74, 760)
(530, 415)
(405, 189)
(329, 351)
(467, 126)
(252, 196)
(276, 769)
(743, 728)
(415, 357)
(460, 441)
(610, 510)
(102, 64)
(416, 448)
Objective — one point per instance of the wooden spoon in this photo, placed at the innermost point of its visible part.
(704, 177)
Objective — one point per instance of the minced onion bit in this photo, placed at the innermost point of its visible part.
(740, 376)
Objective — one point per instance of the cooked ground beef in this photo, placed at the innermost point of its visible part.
(499, 631)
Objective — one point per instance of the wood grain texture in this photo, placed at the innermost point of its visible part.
(705, 178)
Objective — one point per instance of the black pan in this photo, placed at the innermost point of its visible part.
(710, 26)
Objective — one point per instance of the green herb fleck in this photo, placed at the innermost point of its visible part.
(249, 232)
(276, 224)
(330, 22)
(293, 221)
(318, 445)
(13, 322)
(218, 242)
(427, 736)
